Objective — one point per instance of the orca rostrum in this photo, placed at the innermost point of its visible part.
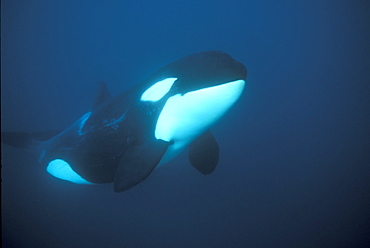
(122, 139)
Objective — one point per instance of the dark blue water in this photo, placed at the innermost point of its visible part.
(295, 165)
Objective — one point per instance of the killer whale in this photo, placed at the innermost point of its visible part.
(122, 139)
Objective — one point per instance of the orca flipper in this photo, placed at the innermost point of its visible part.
(137, 163)
(203, 153)
(27, 140)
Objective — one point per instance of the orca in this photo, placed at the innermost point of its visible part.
(122, 139)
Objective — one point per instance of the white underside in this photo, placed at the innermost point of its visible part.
(185, 117)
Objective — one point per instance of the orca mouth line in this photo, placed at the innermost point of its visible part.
(213, 86)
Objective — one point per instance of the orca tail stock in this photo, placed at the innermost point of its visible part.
(25, 140)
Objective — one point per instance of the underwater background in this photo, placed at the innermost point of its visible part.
(294, 166)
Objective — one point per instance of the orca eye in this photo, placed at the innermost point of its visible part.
(62, 170)
(158, 90)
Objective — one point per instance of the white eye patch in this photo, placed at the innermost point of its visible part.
(158, 90)
(62, 170)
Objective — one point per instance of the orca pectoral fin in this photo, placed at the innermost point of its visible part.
(203, 153)
(137, 164)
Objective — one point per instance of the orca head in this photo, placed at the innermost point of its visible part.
(198, 90)
(205, 70)
(194, 72)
